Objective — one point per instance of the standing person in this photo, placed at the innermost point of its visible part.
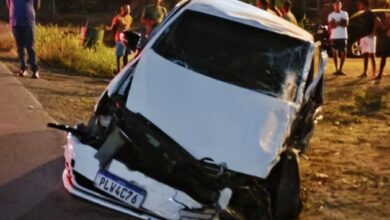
(152, 15)
(22, 23)
(368, 41)
(338, 22)
(287, 14)
(384, 50)
(265, 5)
(275, 8)
(120, 23)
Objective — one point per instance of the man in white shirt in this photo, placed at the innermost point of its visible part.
(338, 22)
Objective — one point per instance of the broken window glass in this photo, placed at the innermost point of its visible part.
(239, 54)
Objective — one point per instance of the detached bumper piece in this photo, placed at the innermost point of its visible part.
(197, 214)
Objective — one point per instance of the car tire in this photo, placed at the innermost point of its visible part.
(355, 50)
(284, 184)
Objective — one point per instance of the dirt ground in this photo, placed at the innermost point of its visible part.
(346, 171)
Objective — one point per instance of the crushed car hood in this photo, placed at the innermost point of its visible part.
(231, 125)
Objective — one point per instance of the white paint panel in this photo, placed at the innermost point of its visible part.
(210, 118)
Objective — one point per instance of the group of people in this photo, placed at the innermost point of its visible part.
(285, 12)
(338, 22)
(152, 15)
(22, 23)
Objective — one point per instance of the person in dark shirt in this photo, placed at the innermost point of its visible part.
(22, 23)
(368, 41)
(383, 50)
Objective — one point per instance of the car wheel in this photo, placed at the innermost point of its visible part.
(284, 183)
(355, 49)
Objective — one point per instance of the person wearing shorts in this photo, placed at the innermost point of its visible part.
(338, 22)
(121, 49)
(368, 41)
(120, 23)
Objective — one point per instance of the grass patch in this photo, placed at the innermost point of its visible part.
(371, 101)
(59, 48)
(349, 104)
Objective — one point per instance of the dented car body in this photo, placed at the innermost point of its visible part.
(206, 122)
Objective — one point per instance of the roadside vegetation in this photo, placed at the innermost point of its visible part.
(6, 39)
(60, 47)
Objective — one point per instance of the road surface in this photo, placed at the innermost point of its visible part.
(31, 161)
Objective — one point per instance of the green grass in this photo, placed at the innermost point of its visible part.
(59, 48)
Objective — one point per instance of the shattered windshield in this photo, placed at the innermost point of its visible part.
(235, 53)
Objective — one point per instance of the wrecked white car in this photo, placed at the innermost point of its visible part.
(206, 122)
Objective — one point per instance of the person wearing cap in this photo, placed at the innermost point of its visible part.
(120, 23)
(338, 22)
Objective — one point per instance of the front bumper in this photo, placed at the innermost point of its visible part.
(86, 194)
(161, 202)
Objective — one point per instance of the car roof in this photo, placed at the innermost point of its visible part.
(250, 15)
(378, 10)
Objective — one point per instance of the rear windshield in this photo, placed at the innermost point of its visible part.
(238, 54)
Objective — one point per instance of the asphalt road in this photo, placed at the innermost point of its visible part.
(31, 161)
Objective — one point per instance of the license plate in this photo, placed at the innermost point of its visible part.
(120, 188)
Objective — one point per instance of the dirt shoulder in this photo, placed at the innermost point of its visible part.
(346, 175)
(68, 98)
(346, 171)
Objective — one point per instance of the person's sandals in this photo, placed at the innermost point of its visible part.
(363, 75)
(339, 73)
(377, 78)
